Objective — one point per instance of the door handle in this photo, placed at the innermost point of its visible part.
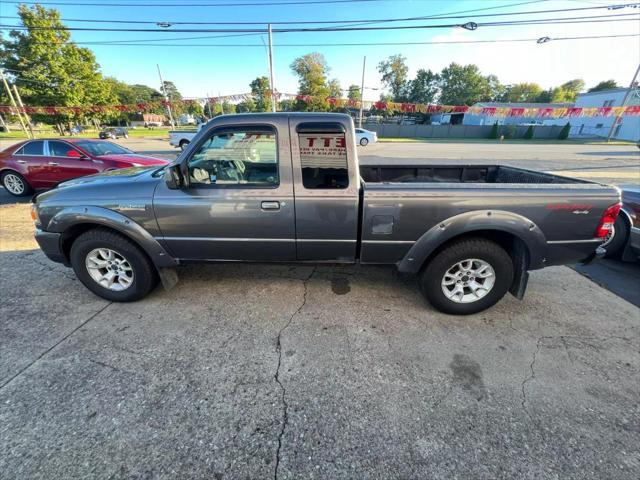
(21, 161)
(270, 205)
(53, 163)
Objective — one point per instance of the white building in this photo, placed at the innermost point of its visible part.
(628, 128)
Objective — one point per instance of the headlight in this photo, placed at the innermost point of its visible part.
(34, 213)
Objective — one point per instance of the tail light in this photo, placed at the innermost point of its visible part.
(608, 219)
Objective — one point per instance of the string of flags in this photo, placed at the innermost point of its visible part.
(537, 112)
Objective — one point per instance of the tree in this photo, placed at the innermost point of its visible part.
(424, 88)
(312, 70)
(354, 92)
(493, 134)
(145, 94)
(522, 92)
(394, 72)
(246, 106)
(464, 85)
(528, 135)
(604, 85)
(51, 70)
(567, 92)
(334, 88)
(261, 91)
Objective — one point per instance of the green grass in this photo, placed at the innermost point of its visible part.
(136, 133)
(537, 141)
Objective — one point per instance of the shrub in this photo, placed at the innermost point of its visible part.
(494, 131)
(509, 132)
(528, 135)
(564, 133)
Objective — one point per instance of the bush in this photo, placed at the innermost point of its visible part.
(494, 131)
(564, 133)
(528, 135)
(510, 132)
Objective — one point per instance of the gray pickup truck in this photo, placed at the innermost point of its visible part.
(288, 187)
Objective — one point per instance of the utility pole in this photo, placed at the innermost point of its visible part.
(364, 64)
(271, 83)
(26, 116)
(166, 98)
(624, 101)
(13, 102)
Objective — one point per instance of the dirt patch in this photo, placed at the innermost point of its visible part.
(16, 228)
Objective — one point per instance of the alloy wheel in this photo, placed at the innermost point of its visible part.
(468, 280)
(109, 269)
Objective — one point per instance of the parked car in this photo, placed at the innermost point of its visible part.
(42, 164)
(114, 132)
(286, 187)
(182, 138)
(623, 240)
(365, 137)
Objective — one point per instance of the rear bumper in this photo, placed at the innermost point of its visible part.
(50, 244)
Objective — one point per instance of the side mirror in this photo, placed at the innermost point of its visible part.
(173, 177)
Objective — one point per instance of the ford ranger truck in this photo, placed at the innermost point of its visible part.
(287, 187)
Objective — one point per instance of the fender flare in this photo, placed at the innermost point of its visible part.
(70, 216)
(468, 222)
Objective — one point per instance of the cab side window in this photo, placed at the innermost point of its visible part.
(59, 149)
(323, 156)
(243, 157)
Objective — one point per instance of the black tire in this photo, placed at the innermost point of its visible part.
(145, 277)
(364, 141)
(618, 240)
(183, 144)
(458, 251)
(12, 176)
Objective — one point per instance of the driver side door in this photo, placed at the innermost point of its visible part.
(239, 204)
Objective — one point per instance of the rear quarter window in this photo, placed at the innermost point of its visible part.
(323, 157)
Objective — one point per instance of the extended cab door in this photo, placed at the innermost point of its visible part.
(239, 205)
(326, 184)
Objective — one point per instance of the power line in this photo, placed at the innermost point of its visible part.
(540, 21)
(358, 44)
(306, 22)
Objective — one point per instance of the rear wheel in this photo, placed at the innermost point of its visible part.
(614, 242)
(467, 276)
(364, 141)
(183, 144)
(112, 266)
(15, 184)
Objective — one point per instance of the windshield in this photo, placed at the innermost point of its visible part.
(102, 148)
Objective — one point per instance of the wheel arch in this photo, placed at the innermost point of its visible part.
(72, 222)
(519, 236)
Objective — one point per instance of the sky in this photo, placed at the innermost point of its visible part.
(200, 71)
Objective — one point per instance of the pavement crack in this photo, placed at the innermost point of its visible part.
(531, 376)
(276, 376)
(39, 357)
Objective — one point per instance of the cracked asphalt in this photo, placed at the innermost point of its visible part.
(283, 372)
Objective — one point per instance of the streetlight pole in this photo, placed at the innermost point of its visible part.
(364, 63)
(624, 101)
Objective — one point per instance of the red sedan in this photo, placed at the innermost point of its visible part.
(41, 164)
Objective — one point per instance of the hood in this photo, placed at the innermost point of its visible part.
(121, 175)
(141, 160)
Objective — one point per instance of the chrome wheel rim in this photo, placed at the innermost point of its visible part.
(109, 269)
(13, 183)
(609, 236)
(468, 280)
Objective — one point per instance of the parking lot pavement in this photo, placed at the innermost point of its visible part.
(253, 371)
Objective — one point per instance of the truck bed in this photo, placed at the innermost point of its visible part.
(460, 174)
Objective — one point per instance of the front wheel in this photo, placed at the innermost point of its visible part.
(112, 266)
(467, 276)
(15, 184)
(364, 142)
